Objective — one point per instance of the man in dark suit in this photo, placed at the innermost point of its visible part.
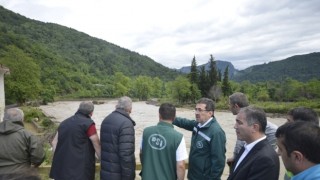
(257, 159)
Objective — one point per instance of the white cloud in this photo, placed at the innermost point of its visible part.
(244, 32)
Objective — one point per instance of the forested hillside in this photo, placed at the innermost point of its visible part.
(59, 60)
(299, 67)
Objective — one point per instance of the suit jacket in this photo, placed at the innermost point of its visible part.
(261, 163)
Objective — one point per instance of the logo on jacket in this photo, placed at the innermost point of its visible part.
(199, 144)
(157, 141)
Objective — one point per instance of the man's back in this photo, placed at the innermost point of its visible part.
(74, 156)
(117, 146)
(19, 148)
(160, 144)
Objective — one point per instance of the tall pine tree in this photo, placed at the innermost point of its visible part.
(213, 73)
(203, 82)
(194, 74)
(226, 87)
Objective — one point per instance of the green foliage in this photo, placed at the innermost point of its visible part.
(180, 89)
(121, 85)
(226, 87)
(213, 73)
(64, 62)
(194, 75)
(30, 113)
(46, 122)
(143, 87)
(203, 82)
(23, 83)
(301, 68)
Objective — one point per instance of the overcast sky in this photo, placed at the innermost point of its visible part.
(172, 32)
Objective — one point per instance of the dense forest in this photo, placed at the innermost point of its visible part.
(59, 61)
(50, 62)
(300, 67)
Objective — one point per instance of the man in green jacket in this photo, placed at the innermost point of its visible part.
(163, 149)
(208, 142)
(20, 150)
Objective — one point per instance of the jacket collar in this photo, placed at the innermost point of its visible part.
(124, 113)
(207, 124)
(162, 123)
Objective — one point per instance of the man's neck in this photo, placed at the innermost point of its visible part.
(166, 121)
(255, 138)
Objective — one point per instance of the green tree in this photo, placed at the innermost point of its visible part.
(121, 85)
(226, 87)
(142, 87)
(180, 89)
(157, 87)
(195, 93)
(194, 74)
(312, 88)
(213, 73)
(23, 83)
(203, 85)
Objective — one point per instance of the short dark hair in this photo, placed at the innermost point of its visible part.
(304, 114)
(210, 106)
(303, 137)
(167, 111)
(240, 99)
(255, 115)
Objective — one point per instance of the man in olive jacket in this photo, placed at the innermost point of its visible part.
(20, 150)
(118, 143)
(208, 142)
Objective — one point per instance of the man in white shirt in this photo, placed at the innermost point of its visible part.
(163, 149)
(257, 159)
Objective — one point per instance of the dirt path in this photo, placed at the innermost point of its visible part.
(146, 115)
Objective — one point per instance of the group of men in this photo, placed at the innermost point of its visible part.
(163, 152)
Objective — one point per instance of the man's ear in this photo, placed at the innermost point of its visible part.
(297, 156)
(256, 127)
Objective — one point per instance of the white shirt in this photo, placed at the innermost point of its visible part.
(248, 148)
(200, 126)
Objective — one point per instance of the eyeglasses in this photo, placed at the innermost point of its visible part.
(200, 110)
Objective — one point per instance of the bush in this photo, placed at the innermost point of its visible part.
(31, 113)
(46, 122)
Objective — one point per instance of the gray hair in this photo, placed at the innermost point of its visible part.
(240, 99)
(124, 103)
(13, 114)
(86, 107)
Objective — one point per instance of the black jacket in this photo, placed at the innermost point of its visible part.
(262, 163)
(74, 157)
(117, 146)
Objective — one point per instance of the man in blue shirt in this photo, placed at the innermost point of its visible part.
(299, 144)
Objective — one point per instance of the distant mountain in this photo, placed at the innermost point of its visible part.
(299, 67)
(221, 65)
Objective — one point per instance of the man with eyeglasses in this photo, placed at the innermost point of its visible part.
(208, 142)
